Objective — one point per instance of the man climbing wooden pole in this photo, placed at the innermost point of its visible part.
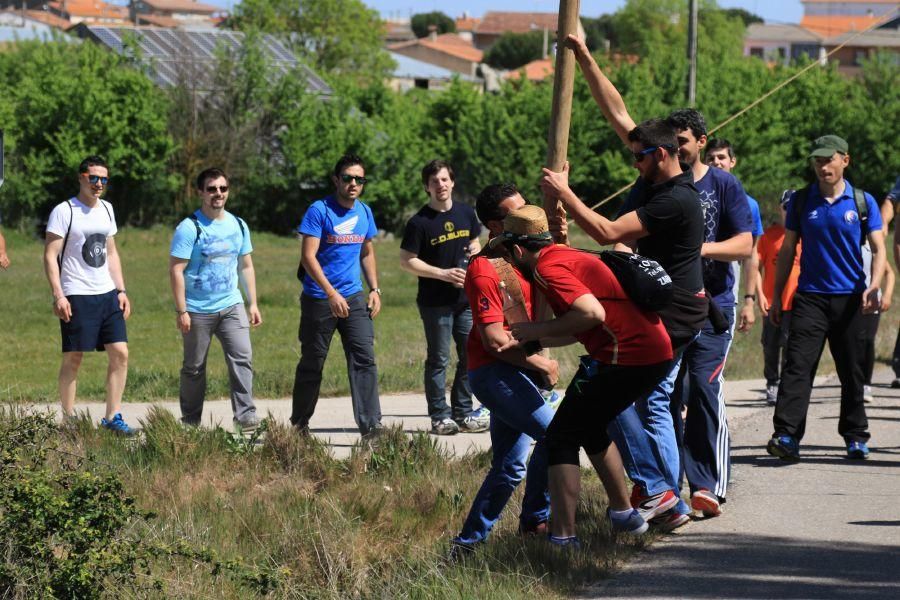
(561, 111)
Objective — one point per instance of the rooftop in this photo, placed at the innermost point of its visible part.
(448, 43)
(772, 32)
(90, 9)
(496, 22)
(416, 69)
(182, 6)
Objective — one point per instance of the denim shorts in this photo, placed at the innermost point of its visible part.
(96, 321)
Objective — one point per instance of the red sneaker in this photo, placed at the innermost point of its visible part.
(670, 521)
(704, 501)
(655, 505)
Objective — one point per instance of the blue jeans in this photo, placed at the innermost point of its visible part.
(443, 323)
(519, 416)
(645, 436)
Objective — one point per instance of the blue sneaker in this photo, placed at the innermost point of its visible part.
(857, 450)
(633, 524)
(551, 398)
(569, 543)
(784, 447)
(117, 425)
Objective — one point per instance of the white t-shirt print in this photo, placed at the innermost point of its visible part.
(84, 270)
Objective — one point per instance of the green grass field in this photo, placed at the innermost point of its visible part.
(29, 333)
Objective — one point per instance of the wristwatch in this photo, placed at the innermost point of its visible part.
(122, 291)
(376, 290)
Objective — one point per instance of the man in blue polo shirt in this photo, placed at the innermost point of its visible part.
(337, 240)
(831, 217)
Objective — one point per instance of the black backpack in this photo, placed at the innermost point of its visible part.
(644, 280)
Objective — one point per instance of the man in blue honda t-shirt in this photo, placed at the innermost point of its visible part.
(831, 218)
(337, 238)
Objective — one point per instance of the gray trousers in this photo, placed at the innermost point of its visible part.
(317, 327)
(232, 327)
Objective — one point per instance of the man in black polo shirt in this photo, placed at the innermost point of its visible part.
(662, 220)
(436, 245)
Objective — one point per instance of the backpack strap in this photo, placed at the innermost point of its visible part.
(59, 257)
(862, 208)
(800, 197)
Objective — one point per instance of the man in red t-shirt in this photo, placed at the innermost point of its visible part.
(510, 384)
(629, 353)
(774, 337)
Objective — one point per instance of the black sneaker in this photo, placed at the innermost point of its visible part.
(784, 447)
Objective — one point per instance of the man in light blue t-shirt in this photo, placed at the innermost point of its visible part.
(337, 244)
(210, 253)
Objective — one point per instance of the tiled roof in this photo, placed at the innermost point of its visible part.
(90, 9)
(831, 25)
(536, 70)
(874, 39)
(448, 43)
(773, 32)
(496, 22)
(467, 23)
(182, 6)
(47, 18)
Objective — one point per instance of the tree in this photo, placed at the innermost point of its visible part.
(421, 23)
(514, 50)
(747, 17)
(339, 37)
(599, 31)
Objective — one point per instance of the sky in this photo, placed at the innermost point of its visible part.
(788, 11)
(783, 11)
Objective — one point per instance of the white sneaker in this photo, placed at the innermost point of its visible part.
(444, 427)
(771, 394)
(867, 394)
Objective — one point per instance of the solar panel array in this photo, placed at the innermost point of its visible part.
(174, 56)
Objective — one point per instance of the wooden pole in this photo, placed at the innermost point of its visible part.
(692, 53)
(563, 82)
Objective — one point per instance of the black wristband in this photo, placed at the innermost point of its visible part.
(122, 291)
(751, 296)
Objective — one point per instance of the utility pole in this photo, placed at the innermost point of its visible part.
(692, 53)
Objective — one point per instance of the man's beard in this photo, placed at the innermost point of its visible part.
(524, 268)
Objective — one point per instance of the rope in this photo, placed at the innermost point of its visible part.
(884, 19)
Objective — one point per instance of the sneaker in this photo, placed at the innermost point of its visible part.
(529, 529)
(784, 447)
(895, 383)
(459, 551)
(552, 398)
(655, 505)
(372, 435)
(867, 394)
(670, 521)
(569, 543)
(248, 425)
(444, 427)
(704, 501)
(633, 524)
(771, 395)
(117, 425)
(477, 421)
(857, 450)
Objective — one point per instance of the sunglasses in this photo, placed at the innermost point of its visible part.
(212, 189)
(639, 156)
(359, 180)
(94, 179)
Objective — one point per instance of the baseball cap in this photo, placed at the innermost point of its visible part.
(827, 145)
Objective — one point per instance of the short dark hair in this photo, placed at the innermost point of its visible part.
(720, 144)
(433, 168)
(347, 160)
(688, 118)
(530, 245)
(655, 132)
(92, 161)
(487, 205)
(207, 174)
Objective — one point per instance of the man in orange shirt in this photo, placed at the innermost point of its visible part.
(774, 337)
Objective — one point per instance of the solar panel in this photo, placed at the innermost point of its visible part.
(175, 55)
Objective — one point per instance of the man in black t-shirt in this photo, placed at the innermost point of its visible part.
(436, 245)
(663, 220)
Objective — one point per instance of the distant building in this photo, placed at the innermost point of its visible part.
(775, 43)
(536, 70)
(89, 11)
(831, 18)
(496, 23)
(397, 31)
(447, 50)
(411, 74)
(21, 25)
(465, 26)
(173, 13)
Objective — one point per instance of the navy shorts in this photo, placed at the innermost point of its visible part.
(96, 321)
